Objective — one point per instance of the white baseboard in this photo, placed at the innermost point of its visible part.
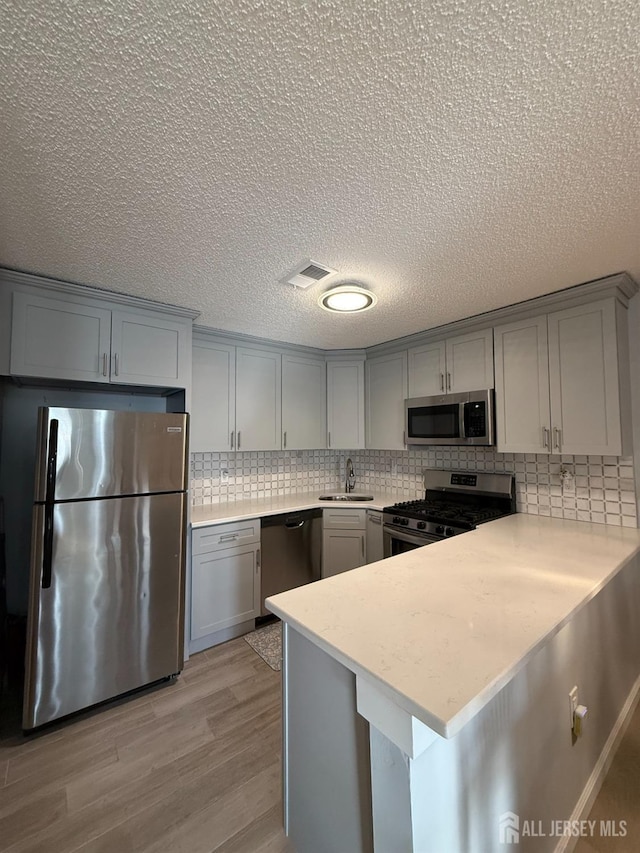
(592, 788)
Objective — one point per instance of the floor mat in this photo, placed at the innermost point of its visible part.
(267, 642)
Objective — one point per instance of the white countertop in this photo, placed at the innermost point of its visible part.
(441, 629)
(202, 516)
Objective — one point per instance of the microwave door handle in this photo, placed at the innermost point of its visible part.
(462, 429)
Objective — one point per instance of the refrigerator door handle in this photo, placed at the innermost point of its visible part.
(52, 460)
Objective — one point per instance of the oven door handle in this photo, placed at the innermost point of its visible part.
(420, 539)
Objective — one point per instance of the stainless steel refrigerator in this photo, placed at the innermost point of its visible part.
(106, 601)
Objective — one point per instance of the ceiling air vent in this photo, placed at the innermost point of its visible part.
(308, 273)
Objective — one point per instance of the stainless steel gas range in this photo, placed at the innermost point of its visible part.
(454, 502)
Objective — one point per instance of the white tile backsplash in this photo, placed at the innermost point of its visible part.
(601, 490)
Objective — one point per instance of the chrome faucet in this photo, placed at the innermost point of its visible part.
(350, 482)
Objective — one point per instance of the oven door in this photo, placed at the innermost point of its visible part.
(396, 541)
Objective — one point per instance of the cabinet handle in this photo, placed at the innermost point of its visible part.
(115, 363)
(257, 560)
(557, 437)
(105, 364)
(448, 382)
(228, 537)
(239, 439)
(442, 381)
(232, 435)
(328, 439)
(284, 442)
(545, 437)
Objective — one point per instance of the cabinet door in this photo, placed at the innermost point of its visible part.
(304, 403)
(149, 350)
(583, 374)
(345, 404)
(375, 546)
(342, 550)
(470, 361)
(258, 399)
(523, 421)
(225, 589)
(427, 370)
(213, 407)
(59, 340)
(386, 393)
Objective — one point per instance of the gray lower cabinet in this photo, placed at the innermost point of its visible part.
(343, 540)
(225, 582)
(375, 546)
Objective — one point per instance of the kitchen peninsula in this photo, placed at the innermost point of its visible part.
(427, 695)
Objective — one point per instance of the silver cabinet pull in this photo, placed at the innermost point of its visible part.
(442, 381)
(239, 433)
(257, 560)
(448, 382)
(115, 364)
(557, 437)
(228, 537)
(105, 364)
(284, 440)
(545, 437)
(232, 435)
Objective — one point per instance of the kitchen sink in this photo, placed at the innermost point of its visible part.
(343, 496)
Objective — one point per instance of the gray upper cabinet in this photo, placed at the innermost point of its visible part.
(258, 399)
(461, 363)
(304, 402)
(561, 384)
(386, 392)
(345, 404)
(78, 339)
(213, 409)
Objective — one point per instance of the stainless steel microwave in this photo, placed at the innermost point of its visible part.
(451, 419)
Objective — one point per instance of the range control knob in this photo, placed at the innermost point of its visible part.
(439, 530)
(396, 519)
(422, 525)
(405, 521)
(448, 531)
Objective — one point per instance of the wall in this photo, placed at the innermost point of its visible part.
(603, 489)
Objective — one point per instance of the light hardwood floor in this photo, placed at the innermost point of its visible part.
(193, 766)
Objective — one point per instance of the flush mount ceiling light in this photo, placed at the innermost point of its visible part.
(346, 299)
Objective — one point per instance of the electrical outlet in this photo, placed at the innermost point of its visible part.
(394, 467)
(573, 704)
(224, 475)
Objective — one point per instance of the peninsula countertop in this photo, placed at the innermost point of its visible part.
(202, 516)
(442, 628)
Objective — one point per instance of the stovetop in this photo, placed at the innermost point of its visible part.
(454, 502)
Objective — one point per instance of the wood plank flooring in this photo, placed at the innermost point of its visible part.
(191, 766)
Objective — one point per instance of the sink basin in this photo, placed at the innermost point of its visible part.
(343, 496)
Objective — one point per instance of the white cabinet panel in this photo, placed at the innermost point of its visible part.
(258, 399)
(523, 419)
(585, 395)
(304, 402)
(386, 393)
(342, 550)
(58, 339)
(213, 410)
(427, 370)
(470, 362)
(345, 404)
(148, 350)
(225, 589)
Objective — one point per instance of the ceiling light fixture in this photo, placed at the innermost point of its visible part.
(346, 299)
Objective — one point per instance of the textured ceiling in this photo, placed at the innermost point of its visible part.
(455, 156)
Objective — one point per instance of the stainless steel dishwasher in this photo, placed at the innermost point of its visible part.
(291, 548)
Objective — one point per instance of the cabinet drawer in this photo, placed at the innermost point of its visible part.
(344, 519)
(205, 539)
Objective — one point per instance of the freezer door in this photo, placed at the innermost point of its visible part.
(113, 617)
(103, 453)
